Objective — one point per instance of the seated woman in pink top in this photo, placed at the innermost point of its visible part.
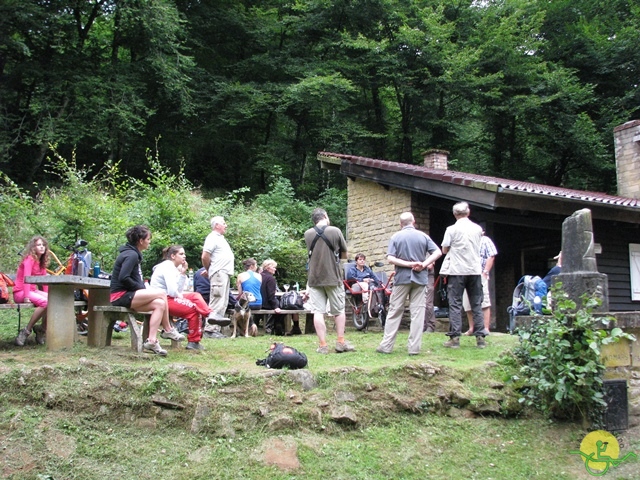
(34, 262)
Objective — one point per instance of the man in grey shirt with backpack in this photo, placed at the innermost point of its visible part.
(326, 246)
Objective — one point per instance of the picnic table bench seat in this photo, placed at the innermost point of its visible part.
(112, 314)
(20, 306)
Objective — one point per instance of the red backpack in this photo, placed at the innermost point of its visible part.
(5, 283)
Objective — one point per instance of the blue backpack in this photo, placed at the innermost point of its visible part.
(524, 298)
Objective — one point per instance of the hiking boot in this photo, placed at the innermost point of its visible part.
(345, 346)
(194, 346)
(154, 348)
(21, 339)
(454, 342)
(324, 350)
(481, 342)
(294, 331)
(380, 350)
(41, 334)
(172, 334)
(215, 319)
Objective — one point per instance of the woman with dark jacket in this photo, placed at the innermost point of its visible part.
(128, 289)
(275, 323)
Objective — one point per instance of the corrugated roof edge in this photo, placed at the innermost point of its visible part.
(483, 181)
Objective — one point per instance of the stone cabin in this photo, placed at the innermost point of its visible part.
(523, 219)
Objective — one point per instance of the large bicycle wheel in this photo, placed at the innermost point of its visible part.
(360, 319)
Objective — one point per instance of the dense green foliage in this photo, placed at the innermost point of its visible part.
(561, 362)
(99, 208)
(239, 90)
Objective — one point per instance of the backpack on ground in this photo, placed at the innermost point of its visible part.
(291, 301)
(524, 301)
(5, 283)
(282, 356)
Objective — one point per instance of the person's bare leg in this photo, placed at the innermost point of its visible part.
(38, 313)
(166, 323)
(154, 301)
(487, 318)
(321, 328)
(470, 319)
(157, 315)
(340, 325)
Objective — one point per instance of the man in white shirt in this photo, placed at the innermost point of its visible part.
(217, 259)
(463, 269)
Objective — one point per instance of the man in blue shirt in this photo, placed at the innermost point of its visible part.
(412, 252)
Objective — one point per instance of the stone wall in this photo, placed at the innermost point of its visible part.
(372, 217)
(627, 146)
(622, 360)
(421, 214)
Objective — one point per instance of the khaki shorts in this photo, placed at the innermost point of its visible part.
(326, 300)
(486, 299)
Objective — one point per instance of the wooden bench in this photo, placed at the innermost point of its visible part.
(308, 316)
(113, 314)
(20, 306)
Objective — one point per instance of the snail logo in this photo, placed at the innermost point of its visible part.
(600, 451)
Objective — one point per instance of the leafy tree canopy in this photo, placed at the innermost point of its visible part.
(241, 91)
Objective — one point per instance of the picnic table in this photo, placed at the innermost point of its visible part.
(61, 318)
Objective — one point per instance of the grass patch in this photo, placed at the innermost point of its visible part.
(111, 413)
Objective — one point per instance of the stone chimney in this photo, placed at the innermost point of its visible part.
(436, 159)
(627, 144)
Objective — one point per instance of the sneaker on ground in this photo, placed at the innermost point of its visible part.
(172, 335)
(194, 346)
(481, 342)
(453, 342)
(324, 350)
(154, 348)
(345, 346)
(380, 350)
(215, 319)
(41, 334)
(21, 339)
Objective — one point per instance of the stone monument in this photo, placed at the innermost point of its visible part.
(579, 269)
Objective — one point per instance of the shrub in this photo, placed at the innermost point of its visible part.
(560, 360)
(100, 208)
(16, 213)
